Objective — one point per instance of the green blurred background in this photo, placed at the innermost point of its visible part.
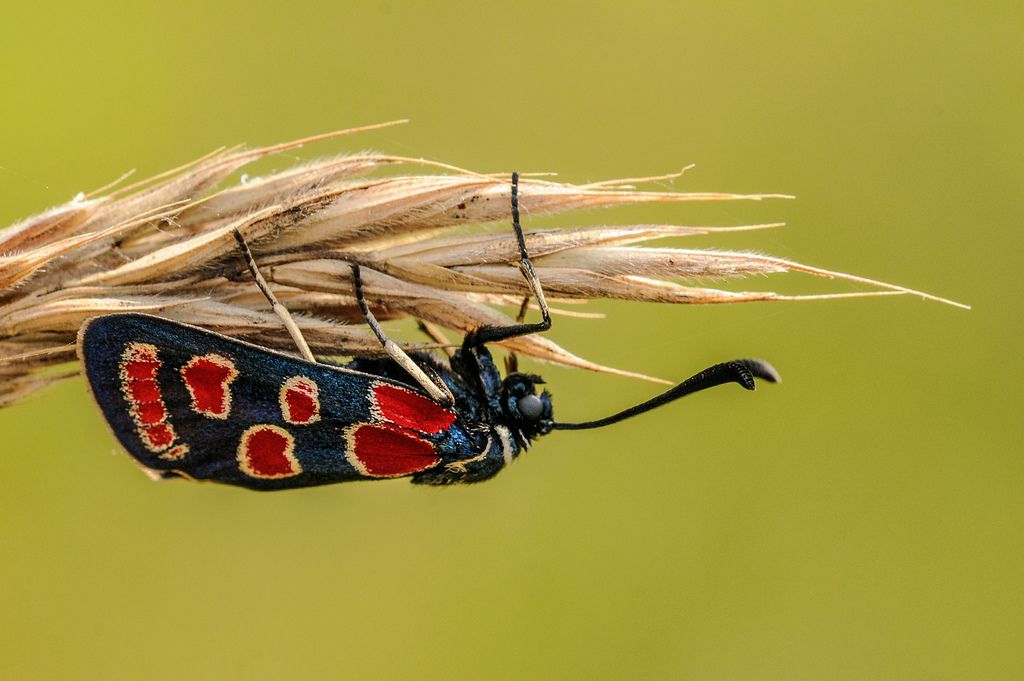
(860, 521)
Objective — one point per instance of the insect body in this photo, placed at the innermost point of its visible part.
(190, 402)
(186, 402)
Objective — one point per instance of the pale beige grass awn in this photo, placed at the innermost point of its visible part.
(165, 246)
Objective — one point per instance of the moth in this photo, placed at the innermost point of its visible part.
(189, 403)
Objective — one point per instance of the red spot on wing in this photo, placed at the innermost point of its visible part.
(175, 453)
(160, 436)
(149, 413)
(138, 373)
(208, 379)
(267, 451)
(386, 451)
(300, 401)
(144, 391)
(411, 410)
(140, 362)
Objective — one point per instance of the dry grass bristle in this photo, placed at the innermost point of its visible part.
(165, 246)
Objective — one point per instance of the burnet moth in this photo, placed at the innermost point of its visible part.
(189, 403)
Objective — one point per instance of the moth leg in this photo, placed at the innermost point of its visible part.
(492, 334)
(437, 390)
(279, 309)
(434, 333)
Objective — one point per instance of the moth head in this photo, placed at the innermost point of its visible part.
(525, 410)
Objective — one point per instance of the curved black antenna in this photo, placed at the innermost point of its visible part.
(740, 371)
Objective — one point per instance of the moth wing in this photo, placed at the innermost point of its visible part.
(186, 401)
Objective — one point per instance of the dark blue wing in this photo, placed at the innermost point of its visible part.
(190, 402)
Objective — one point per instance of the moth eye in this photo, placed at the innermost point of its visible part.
(530, 407)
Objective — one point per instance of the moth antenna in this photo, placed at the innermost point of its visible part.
(742, 371)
